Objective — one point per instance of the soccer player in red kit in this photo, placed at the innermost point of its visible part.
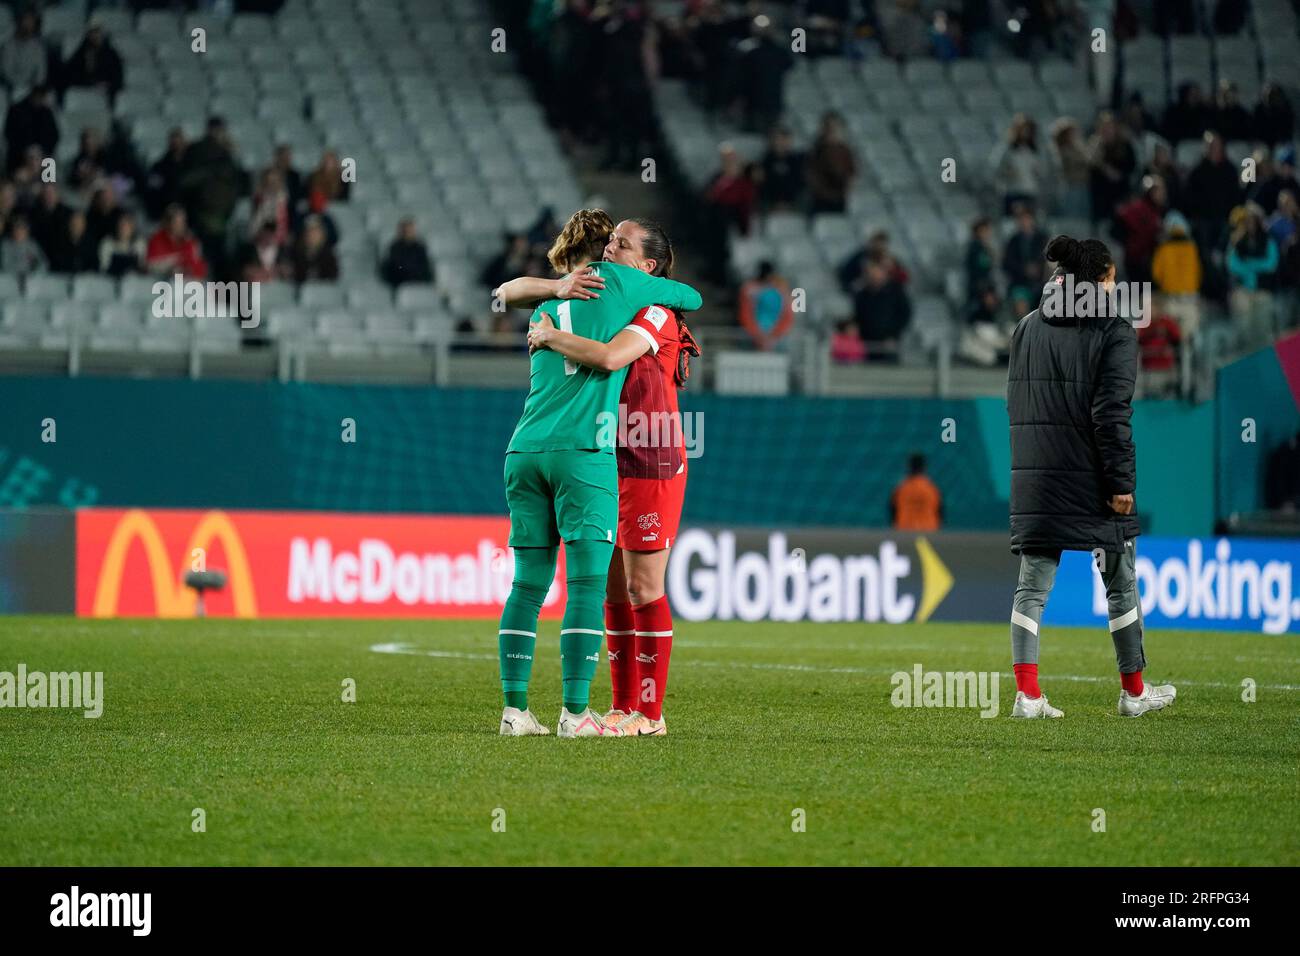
(651, 480)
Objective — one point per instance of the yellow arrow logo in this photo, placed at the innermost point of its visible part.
(936, 580)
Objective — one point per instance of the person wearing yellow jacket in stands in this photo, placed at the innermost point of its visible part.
(1176, 269)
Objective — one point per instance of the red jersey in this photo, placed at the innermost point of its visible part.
(651, 443)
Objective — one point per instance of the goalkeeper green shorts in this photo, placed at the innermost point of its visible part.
(554, 496)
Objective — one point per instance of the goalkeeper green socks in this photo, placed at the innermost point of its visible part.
(517, 637)
(583, 628)
(579, 655)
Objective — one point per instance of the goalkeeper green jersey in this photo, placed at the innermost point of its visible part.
(569, 406)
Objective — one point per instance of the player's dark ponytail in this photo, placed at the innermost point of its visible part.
(655, 245)
(1089, 260)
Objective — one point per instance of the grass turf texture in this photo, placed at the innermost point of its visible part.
(245, 719)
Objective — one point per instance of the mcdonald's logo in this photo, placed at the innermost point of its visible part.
(171, 597)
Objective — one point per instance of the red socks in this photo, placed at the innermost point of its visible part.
(1132, 683)
(654, 644)
(620, 631)
(1027, 679)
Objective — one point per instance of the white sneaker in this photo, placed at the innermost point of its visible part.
(586, 724)
(1153, 697)
(521, 723)
(614, 716)
(1032, 707)
(638, 724)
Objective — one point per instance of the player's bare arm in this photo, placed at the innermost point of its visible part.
(623, 349)
(528, 292)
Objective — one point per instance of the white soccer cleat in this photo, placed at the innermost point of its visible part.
(638, 724)
(1153, 697)
(614, 716)
(1034, 707)
(521, 723)
(586, 724)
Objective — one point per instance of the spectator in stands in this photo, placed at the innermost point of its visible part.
(765, 311)
(27, 178)
(976, 17)
(8, 204)
(174, 249)
(882, 308)
(1159, 342)
(1138, 223)
(1018, 167)
(325, 185)
(1282, 477)
(1274, 118)
(88, 166)
(847, 347)
(212, 182)
(1280, 176)
(102, 214)
(48, 217)
(1231, 118)
(829, 22)
(515, 259)
(19, 254)
(733, 192)
(831, 166)
(163, 185)
(121, 161)
(945, 36)
(876, 247)
(76, 250)
(1189, 117)
(1176, 272)
(31, 122)
(1135, 117)
(783, 171)
(122, 253)
(1162, 164)
(984, 338)
(271, 205)
(263, 259)
(1113, 164)
(23, 57)
(981, 258)
(282, 163)
(1252, 261)
(408, 258)
(762, 62)
(915, 504)
(94, 63)
(543, 231)
(313, 259)
(1283, 224)
(622, 50)
(1022, 257)
(1213, 190)
(903, 28)
(1072, 169)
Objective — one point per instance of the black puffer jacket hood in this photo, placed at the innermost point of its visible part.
(1070, 401)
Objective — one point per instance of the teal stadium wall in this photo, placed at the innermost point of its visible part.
(766, 461)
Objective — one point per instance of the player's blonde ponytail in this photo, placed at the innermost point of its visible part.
(581, 240)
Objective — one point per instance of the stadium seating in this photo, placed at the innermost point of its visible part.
(441, 129)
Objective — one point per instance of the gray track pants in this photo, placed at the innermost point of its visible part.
(1037, 574)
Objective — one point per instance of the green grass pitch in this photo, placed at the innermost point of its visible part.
(245, 720)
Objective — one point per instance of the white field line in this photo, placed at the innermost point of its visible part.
(411, 649)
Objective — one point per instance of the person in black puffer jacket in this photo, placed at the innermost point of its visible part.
(1070, 387)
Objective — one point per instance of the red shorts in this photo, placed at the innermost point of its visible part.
(649, 511)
